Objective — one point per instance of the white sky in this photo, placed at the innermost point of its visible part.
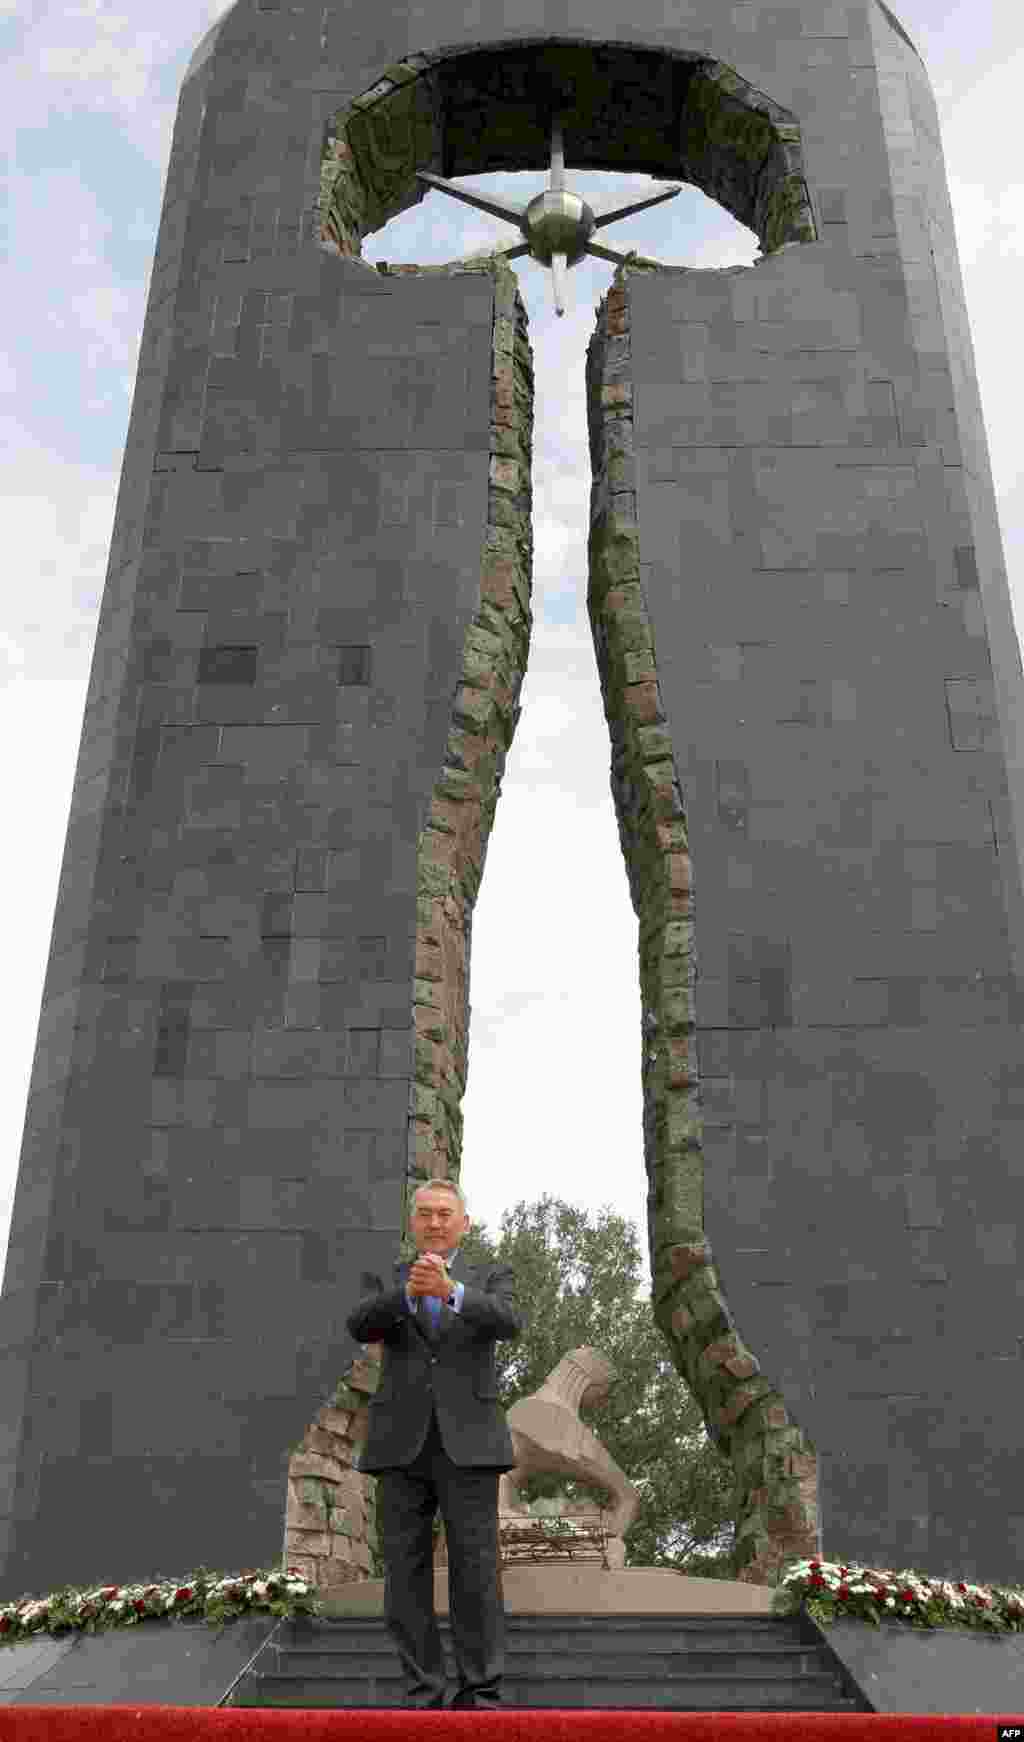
(88, 92)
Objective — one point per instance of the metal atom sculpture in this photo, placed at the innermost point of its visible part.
(557, 224)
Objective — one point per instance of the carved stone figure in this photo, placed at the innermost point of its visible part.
(547, 1434)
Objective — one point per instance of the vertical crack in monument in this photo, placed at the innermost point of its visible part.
(774, 1463)
(368, 174)
(453, 844)
(749, 158)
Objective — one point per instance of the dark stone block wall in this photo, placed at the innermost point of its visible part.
(219, 1130)
(831, 1015)
(219, 1126)
(813, 690)
(253, 1028)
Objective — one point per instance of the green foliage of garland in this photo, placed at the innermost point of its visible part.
(826, 1592)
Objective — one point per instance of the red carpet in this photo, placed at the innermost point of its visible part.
(184, 1724)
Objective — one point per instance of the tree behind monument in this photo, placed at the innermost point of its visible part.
(578, 1283)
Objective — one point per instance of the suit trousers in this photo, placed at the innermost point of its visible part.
(407, 1499)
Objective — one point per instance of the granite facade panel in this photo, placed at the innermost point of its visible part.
(312, 525)
(807, 546)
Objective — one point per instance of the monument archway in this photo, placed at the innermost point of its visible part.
(699, 120)
(306, 679)
(691, 117)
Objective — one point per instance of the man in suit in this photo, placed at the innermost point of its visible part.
(437, 1437)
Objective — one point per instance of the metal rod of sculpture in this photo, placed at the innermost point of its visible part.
(557, 224)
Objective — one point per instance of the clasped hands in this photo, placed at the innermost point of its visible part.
(428, 1275)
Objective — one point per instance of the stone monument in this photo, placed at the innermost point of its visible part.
(558, 1555)
(548, 1435)
(316, 621)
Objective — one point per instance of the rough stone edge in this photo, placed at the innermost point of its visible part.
(330, 1529)
(453, 841)
(774, 1463)
(330, 1533)
(395, 126)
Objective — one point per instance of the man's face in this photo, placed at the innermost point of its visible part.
(438, 1222)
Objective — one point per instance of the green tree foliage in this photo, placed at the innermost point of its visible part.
(578, 1283)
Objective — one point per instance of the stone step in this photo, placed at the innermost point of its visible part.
(784, 1661)
(617, 1662)
(585, 1632)
(700, 1693)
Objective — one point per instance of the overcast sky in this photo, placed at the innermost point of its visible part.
(89, 91)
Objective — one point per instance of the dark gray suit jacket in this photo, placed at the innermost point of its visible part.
(452, 1370)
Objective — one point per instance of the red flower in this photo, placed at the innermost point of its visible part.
(961, 1587)
(844, 1590)
(183, 1593)
(139, 1606)
(5, 1622)
(907, 1596)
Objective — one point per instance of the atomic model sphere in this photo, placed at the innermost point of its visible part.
(557, 224)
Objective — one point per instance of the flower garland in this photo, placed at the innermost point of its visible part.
(827, 1590)
(201, 1595)
(824, 1589)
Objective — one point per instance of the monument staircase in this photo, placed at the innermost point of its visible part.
(669, 1663)
(584, 1635)
(582, 1632)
